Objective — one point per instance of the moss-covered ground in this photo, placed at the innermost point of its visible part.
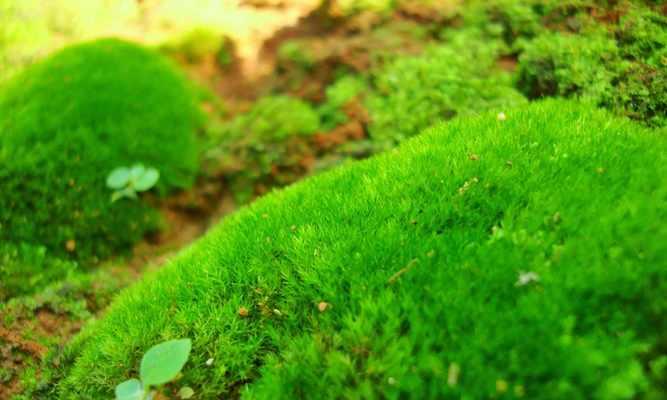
(529, 254)
(510, 250)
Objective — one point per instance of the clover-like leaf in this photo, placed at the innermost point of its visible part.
(147, 180)
(131, 389)
(164, 361)
(136, 171)
(118, 178)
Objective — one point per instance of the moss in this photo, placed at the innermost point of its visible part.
(624, 69)
(294, 52)
(557, 64)
(276, 118)
(486, 258)
(640, 93)
(24, 268)
(338, 94)
(642, 36)
(67, 122)
(508, 20)
(264, 145)
(457, 78)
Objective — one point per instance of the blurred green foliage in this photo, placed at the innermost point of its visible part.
(293, 53)
(264, 144)
(456, 78)
(197, 44)
(338, 94)
(623, 68)
(558, 64)
(25, 268)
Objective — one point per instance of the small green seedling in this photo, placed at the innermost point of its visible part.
(161, 364)
(127, 182)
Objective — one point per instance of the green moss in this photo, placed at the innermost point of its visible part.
(276, 118)
(23, 268)
(626, 71)
(338, 94)
(509, 20)
(557, 64)
(264, 145)
(534, 269)
(641, 93)
(642, 36)
(67, 122)
(458, 78)
(294, 52)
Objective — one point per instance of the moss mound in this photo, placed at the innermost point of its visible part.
(67, 122)
(487, 258)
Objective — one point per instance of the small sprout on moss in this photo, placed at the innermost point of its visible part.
(127, 182)
(391, 381)
(526, 278)
(186, 392)
(161, 364)
(243, 312)
(209, 362)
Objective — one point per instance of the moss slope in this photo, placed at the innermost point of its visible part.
(420, 255)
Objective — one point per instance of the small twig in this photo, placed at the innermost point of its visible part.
(402, 271)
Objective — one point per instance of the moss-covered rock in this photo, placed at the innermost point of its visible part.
(490, 257)
(67, 122)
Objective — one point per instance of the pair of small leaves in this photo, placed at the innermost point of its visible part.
(161, 364)
(128, 181)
